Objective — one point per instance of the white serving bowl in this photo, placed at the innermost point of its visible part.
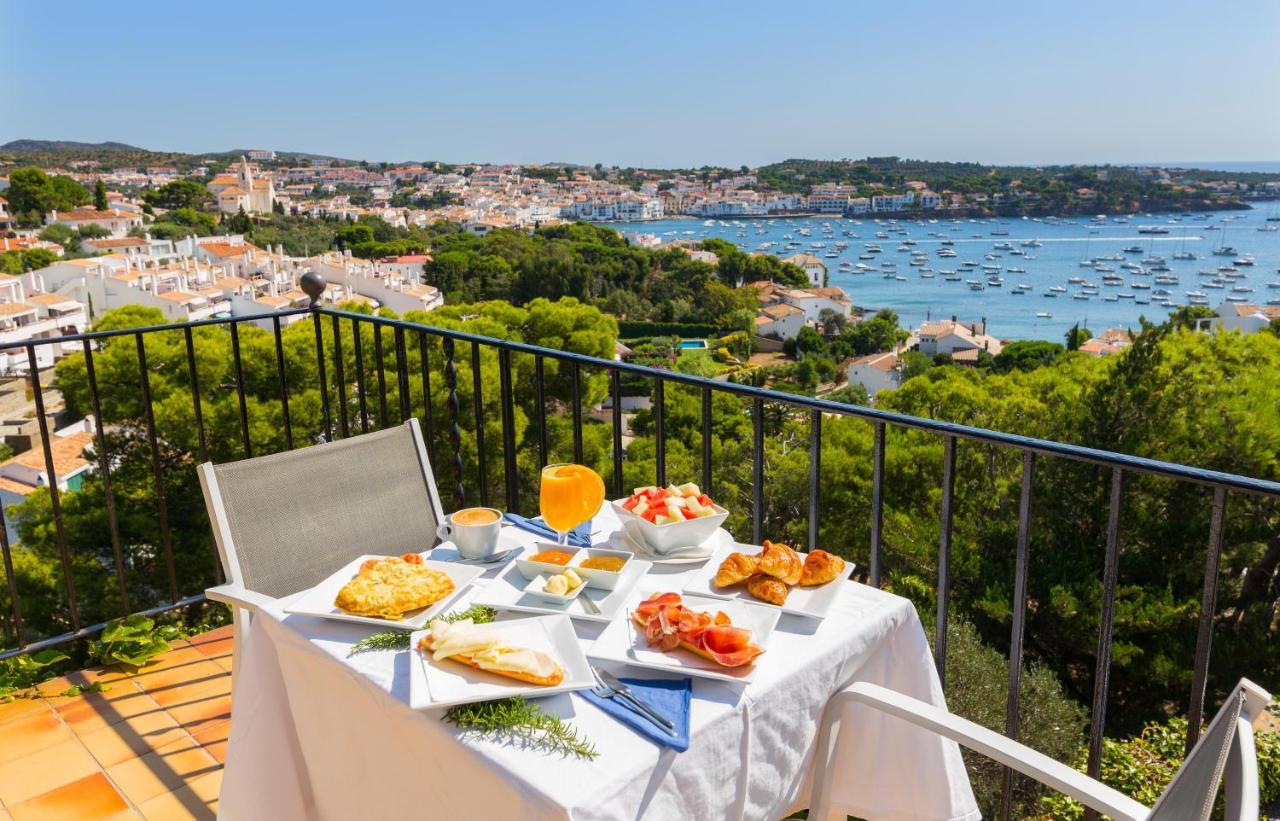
(595, 577)
(665, 538)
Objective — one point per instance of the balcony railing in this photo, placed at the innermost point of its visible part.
(379, 394)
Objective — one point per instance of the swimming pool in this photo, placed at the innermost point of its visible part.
(693, 344)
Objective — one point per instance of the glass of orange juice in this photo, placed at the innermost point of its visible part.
(568, 496)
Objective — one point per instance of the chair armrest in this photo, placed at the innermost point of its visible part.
(237, 596)
(1025, 760)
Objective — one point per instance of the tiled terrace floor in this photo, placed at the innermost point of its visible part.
(150, 746)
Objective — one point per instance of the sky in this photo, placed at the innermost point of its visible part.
(653, 84)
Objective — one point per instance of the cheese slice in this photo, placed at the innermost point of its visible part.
(461, 639)
(506, 659)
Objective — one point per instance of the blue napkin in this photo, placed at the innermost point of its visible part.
(578, 537)
(670, 697)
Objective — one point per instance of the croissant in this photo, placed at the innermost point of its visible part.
(820, 567)
(735, 568)
(780, 562)
(768, 589)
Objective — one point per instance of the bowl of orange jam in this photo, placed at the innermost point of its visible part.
(600, 567)
(546, 558)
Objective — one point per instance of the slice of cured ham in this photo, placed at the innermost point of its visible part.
(668, 624)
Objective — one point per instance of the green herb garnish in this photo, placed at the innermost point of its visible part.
(399, 639)
(522, 722)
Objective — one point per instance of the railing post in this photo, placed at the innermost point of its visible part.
(455, 433)
(104, 470)
(162, 506)
(340, 378)
(384, 418)
(508, 431)
(944, 558)
(539, 384)
(1106, 624)
(324, 385)
(357, 344)
(1208, 607)
(1019, 620)
(477, 401)
(239, 368)
(706, 441)
(55, 500)
(615, 384)
(284, 384)
(757, 471)
(877, 504)
(402, 375)
(815, 470)
(15, 601)
(427, 413)
(660, 431)
(575, 373)
(194, 376)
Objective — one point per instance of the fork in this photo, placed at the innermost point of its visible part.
(603, 690)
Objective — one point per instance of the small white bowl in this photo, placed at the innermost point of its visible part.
(531, 569)
(662, 539)
(595, 577)
(538, 587)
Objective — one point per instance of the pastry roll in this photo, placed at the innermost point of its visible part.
(780, 562)
(768, 589)
(820, 567)
(735, 568)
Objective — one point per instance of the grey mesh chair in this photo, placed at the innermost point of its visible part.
(1226, 747)
(285, 522)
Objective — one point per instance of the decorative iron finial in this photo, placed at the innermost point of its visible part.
(313, 285)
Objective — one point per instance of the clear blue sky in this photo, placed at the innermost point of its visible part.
(653, 83)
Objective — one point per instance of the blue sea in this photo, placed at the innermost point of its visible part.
(1043, 253)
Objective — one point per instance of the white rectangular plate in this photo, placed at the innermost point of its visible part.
(507, 592)
(318, 601)
(807, 602)
(622, 641)
(447, 683)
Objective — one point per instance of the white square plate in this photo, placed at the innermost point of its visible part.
(808, 602)
(623, 642)
(447, 683)
(318, 601)
(507, 592)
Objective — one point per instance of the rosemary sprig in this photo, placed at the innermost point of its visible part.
(521, 722)
(399, 639)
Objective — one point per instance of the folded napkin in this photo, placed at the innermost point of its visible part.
(578, 537)
(670, 697)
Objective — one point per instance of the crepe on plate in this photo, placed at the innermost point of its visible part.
(482, 647)
(388, 588)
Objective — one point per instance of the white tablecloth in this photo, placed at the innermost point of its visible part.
(315, 734)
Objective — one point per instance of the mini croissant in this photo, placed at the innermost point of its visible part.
(820, 567)
(735, 568)
(780, 562)
(768, 589)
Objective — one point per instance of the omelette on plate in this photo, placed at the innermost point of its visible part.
(388, 588)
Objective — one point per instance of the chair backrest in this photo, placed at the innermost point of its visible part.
(285, 522)
(1225, 746)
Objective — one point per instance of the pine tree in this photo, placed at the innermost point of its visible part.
(100, 195)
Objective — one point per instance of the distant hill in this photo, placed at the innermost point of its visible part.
(52, 146)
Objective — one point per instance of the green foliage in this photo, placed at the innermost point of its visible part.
(19, 262)
(33, 193)
(399, 639)
(132, 641)
(1077, 336)
(633, 329)
(100, 195)
(1048, 719)
(64, 235)
(178, 194)
(23, 672)
(915, 364)
(92, 230)
(1141, 766)
(1026, 355)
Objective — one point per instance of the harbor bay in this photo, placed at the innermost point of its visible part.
(1030, 278)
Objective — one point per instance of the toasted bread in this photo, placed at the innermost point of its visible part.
(543, 681)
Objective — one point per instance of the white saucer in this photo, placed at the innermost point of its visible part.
(721, 538)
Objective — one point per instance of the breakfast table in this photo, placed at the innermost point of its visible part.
(319, 733)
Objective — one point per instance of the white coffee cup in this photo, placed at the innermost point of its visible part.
(473, 531)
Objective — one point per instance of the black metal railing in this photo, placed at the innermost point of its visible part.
(361, 406)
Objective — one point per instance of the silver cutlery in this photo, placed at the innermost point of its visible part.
(608, 686)
(589, 604)
(492, 558)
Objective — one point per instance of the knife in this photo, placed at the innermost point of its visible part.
(625, 691)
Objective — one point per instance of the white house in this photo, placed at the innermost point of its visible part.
(242, 191)
(781, 321)
(876, 372)
(957, 338)
(22, 474)
(118, 222)
(1247, 319)
(813, 267)
(813, 301)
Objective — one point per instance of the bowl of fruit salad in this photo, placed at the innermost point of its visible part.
(671, 517)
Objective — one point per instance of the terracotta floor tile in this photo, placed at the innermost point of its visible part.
(4, 816)
(22, 708)
(198, 715)
(46, 770)
(132, 737)
(215, 649)
(31, 734)
(198, 672)
(90, 797)
(213, 736)
(93, 711)
(224, 662)
(220, 634)
(82, 678)
(168, 661)
(164, 770)
(213, 680)
(199, 799)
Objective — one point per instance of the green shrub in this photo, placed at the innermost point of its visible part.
(1049, 720)
(133, 641)
(23, 672)
(1143, 765)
